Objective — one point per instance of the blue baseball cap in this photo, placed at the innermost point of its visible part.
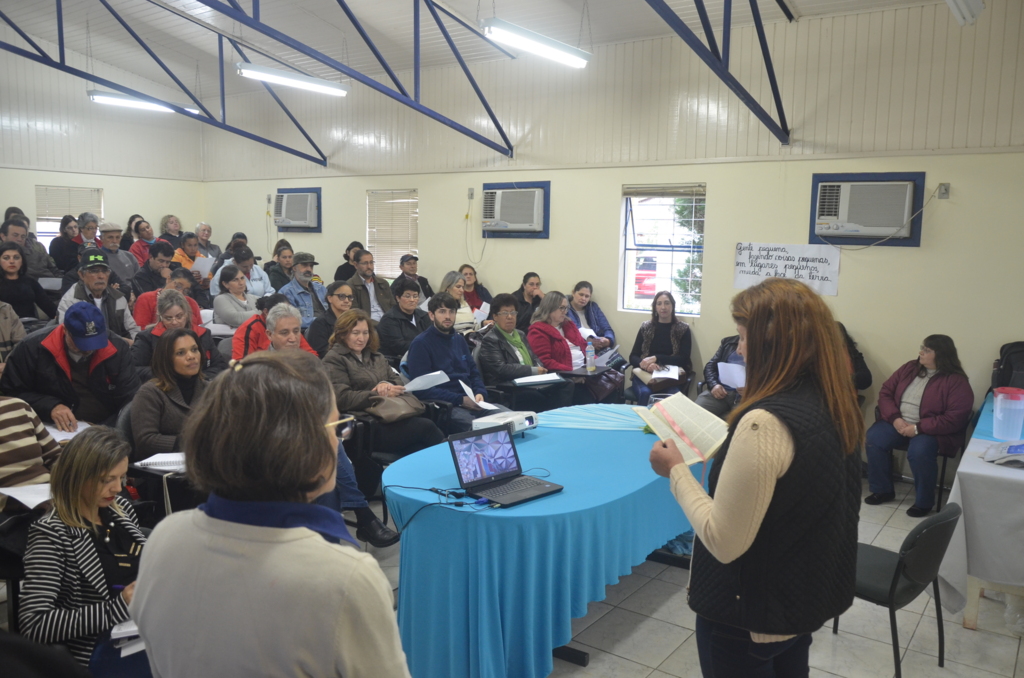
(85, 323)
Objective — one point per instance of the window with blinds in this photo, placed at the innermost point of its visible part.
(392, 228)
(663, 245)
(53, 202)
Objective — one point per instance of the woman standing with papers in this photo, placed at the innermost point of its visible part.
(662, 342)
(776, 549)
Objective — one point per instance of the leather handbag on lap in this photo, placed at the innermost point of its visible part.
(396, 408)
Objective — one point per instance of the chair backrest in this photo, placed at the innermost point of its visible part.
(476, 357)
(124, 424)
(224, 346)
(923, 549)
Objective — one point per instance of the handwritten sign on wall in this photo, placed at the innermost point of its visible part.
(816, 265)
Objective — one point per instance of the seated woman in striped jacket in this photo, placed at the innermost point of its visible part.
(83, 555)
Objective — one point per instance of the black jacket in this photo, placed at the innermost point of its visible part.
(147, 281)
(145, 344)
(318, 334)
(64, 252)
(525, 310)
(725, 349)
(396, 332)
(39, 372)
(499, 360)
(344, 272)
(425, 290)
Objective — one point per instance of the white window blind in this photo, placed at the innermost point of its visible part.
(392, 228)
(53, 202)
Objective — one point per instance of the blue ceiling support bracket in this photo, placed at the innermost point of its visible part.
(304, 49)
(763, 39)
(256, 9)
(475, 32)
(373, 47)
(18, 51)
(726, 31)
(155, 58)
(60, 29)
(709, 33)
(785, 10)
(24, 36)
(690, 38)
(220, 64)
(416, 48)
(465, 69)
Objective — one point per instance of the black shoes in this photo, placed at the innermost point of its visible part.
(875, 499)
(377, 534)
(918, 512)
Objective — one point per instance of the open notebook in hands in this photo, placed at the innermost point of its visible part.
(488, 467)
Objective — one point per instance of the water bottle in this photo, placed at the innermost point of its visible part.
(591, 357)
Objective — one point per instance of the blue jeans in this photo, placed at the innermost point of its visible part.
(106, 661)
(728, 652)
(643, 394)
(922, 451)
(346, 494)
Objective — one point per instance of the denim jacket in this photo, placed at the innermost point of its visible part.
(300, 298)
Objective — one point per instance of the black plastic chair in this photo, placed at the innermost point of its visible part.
(894, 580)
(12, 571)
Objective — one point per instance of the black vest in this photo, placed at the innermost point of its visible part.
(801, 569)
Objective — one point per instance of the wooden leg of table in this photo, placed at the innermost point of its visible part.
(973, 603)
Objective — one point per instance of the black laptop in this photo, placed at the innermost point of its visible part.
(489, 468)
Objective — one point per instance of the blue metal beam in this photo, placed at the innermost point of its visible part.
(709, 33)
(155, 58)
(694, 42)
(373, 47)
(352, 73)
(145, 97)
(476, 32)
(726, 31)
(24, 36)
(465, 69)
(759, 25)
(256, 9)
(220, 64)
(416, 48)
(60, 29)
(785, 10)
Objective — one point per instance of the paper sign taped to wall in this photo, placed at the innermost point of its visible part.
(815, 265)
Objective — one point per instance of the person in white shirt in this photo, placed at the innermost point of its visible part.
(257, 282)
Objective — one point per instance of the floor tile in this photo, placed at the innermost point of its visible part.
(602, 665)
(878, 514)
(921, 603)
(1020, 662)
(890, 538)
(662, 600)
(872, 621)
(818, 673)
(634, 637)
(980, 649)
(850, 656)
(917, 665)
(616, 593)
(991, 617)
(866, 532)
(659, 674)
(676, 575)
(684, 662)
(649, 568)
(901, 521)
(595, 611)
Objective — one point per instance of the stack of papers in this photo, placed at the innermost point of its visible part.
(549, 378)
(64, 436)
(597, 417)
(126, 636)
(696, 432)
(172, 462)
(480, 315)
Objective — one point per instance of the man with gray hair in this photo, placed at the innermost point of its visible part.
(124, 264)
(204, 232)
(87, 225)
(304, 294)
(284, 327)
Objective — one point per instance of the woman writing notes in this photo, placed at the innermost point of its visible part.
(776, 550)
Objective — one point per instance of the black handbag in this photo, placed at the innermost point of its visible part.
(604, 384)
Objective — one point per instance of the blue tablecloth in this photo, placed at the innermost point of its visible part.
(489, 594)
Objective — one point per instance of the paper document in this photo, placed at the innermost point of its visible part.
(203, 265)
(166, 461)
(472, 396)
(29, 495)
(548, 378)
(731, 374)
(480, 315)
(603, 359)
(667, 372)
(124, 630)
(697, 433)
(427, 381)
(133, 646)
(586, 332)
(61, 436)
(50, 283)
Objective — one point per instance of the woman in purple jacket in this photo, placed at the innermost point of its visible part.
(922, 408)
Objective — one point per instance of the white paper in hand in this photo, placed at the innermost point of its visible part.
(202, 266)
(731, 374)
(480, 315)
(667, 372)
(472, 396)
(586, 332)
(61, 436)
(124, 630)
(427, 381)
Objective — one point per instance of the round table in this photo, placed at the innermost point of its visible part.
(489, 593)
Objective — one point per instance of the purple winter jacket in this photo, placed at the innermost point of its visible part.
(945, 405)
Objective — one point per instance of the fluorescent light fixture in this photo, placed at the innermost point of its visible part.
(535, 43)
(966, 11)
(118, 99)
(291, 79)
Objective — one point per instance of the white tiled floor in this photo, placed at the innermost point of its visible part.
(644, 628)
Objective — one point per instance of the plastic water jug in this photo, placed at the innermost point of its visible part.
(1008, 414)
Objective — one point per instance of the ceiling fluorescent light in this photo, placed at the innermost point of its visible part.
(118, 99)
(966, 11)
(291, 79)
(535, 43)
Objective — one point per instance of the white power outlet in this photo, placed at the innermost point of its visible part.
(471, 194)
(943, 192)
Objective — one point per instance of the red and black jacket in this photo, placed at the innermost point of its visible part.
(145, 344)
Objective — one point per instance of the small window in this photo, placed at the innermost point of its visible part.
(53, 202)
(663, 245)
(392, 228)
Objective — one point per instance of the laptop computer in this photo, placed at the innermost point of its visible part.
(488, 467)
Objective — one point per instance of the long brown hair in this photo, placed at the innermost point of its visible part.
(82, 465)
(791, 335)
(947, 361)
(347, 322)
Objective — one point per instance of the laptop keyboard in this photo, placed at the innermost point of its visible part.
(516, 485)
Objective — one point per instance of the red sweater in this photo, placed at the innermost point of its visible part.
(945, 405)
(551, 347)
(251, 336)
(145, 310)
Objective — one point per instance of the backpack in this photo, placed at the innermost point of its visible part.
(1008, 370)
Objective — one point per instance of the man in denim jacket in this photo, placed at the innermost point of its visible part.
(304, 294)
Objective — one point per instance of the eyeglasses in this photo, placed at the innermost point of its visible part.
(173, 318)
(506, 314)
(339, 422)
(563, 308)
(344, 297)
(925, 349)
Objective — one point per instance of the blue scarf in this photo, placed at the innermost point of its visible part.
(283, 514)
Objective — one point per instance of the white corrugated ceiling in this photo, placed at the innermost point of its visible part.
(190, 50)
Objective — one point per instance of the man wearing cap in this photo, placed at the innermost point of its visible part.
(409, 263)
(93, 286)
(304, 294)
(76, 372)
(71, 277)
(157, 270)
(371, 293)
(124, 264)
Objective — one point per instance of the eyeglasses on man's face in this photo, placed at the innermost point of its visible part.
(505, 314)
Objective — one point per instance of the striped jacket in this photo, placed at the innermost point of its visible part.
(27, 450)
(65, 597)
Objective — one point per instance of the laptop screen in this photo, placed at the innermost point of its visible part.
(484, 455)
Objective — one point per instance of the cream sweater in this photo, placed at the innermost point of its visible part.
(760, 453)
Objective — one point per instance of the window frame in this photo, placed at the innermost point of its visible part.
(47, 226)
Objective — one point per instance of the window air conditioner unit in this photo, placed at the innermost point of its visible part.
(295, 209)
(514, 210)
(868, 209)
